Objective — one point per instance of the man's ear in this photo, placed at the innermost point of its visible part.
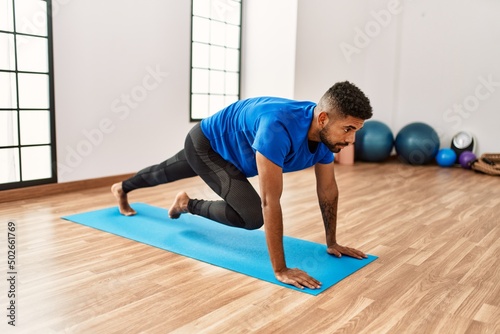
(323, 119)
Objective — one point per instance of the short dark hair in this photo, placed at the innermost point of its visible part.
(348, 99)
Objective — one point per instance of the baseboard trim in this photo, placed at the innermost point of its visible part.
(59, 188)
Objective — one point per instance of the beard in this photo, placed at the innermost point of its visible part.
(334, 147)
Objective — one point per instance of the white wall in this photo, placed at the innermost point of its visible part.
(113, 115)
(416, 60)
(414, 64)
(442, 66)
(268, 48)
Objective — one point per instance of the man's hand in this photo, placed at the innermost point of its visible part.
(338, 250)
(298, 278)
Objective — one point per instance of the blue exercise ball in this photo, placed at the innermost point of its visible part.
(417, 143)
(446, 157)
(374, 142)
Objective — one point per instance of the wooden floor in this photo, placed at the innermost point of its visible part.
(436, 231)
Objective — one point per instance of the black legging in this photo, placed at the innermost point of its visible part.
(241, 205)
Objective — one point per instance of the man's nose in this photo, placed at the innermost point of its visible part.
(351, 137)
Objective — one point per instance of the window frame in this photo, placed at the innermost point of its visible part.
(17, 109)
(209, 68)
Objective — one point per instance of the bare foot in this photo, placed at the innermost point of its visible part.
(121, 196)
(179, 206)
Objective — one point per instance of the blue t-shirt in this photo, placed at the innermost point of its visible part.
(275, 127)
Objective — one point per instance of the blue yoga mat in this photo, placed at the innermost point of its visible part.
(232, 248)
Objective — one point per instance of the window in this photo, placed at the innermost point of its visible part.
(215, 55)
(27, 150)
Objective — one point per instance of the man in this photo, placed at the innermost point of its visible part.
(267, 137)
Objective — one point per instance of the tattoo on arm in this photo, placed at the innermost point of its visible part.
(329, 213)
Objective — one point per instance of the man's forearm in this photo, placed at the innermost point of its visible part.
(328, 208)
(273, 224)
